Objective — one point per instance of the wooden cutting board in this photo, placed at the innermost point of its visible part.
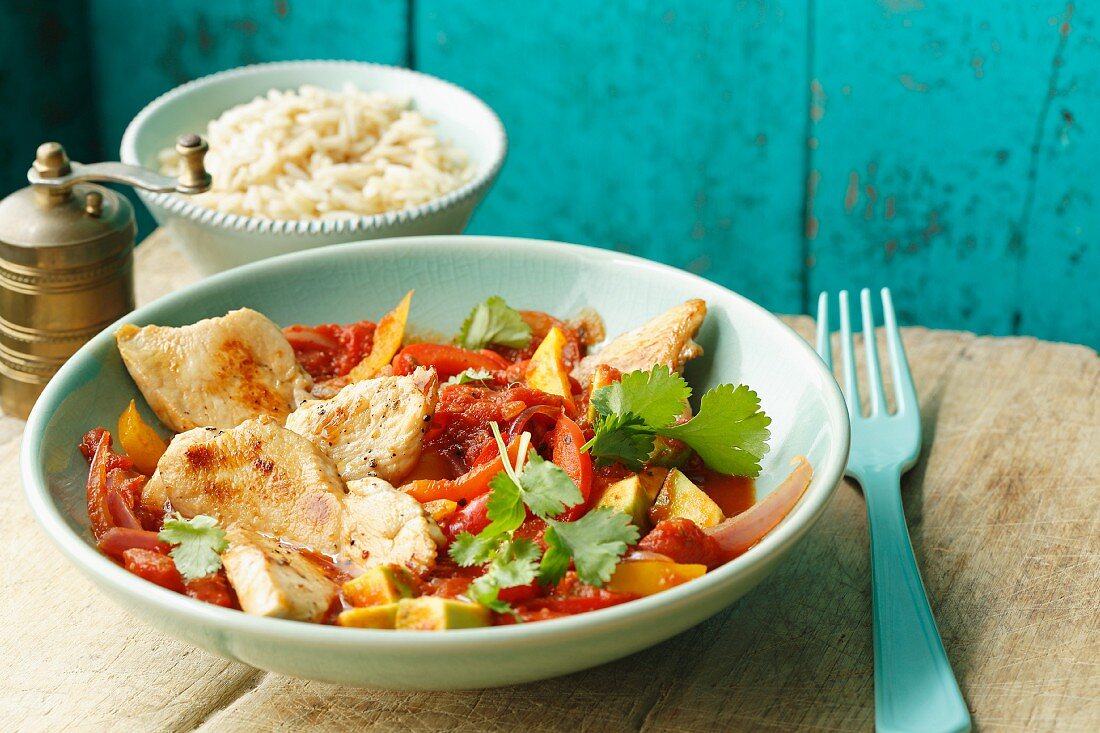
(1003, 510)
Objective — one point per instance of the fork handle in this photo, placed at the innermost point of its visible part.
(915, 689)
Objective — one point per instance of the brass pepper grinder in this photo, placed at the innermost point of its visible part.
(66, 260)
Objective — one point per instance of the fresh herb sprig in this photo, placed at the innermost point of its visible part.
(730, 432)
(470, 375)
(494, 322)
(198, 544)
(594, 543)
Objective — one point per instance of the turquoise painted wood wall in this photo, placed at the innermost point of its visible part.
(947, 150)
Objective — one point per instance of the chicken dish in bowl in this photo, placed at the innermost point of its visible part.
(365, 475)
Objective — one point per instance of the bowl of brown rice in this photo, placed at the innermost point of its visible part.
(309, 153)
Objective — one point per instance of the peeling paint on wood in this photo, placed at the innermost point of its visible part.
(949, 151)
(621, 115)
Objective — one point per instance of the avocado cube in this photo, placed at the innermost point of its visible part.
(432, 613)
(679, 497)
(628, 496)
(380, 585)
(374, 617)
(653, 478)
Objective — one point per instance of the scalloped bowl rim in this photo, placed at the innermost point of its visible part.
(826, 478)
(179, 205)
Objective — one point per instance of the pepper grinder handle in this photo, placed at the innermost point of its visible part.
(52, 169)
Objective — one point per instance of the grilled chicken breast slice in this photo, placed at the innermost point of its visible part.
(217, 372)
(258, 475)
(666, 339)
(272, 579)
(384, 525)
(374, 427)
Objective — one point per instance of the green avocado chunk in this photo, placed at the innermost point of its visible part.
(630, 496)
(432, 613)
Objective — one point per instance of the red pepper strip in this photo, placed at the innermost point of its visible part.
(567, 441)
(739, 533)
(447, 360)
(99, 514)
(471, 518)
(117, 540)
(468, 486)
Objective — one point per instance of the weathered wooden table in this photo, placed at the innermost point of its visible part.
(1004, 514)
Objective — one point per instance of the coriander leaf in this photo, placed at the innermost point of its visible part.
(730, 433)
(514, 563)
(484, 591)
(555, 561)
(546, 488)
(596, 541)
(621, 437)
(470, 375)
(493, 322)
(657, 396)
(468, 549)
(505, 506)
(198, 542)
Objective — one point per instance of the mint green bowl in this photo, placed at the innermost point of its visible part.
(743, 343)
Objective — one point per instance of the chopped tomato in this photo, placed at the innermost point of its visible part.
(460, 427)
(213, 588)
(682, 541)
(154, 567)
(533, 528)
(447, 360)
(567, 441)
(572, 596)
(519, 593)
(330, 350)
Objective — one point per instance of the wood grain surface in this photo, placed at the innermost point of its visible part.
(1002, 509)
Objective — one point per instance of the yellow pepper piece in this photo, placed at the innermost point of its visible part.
(380, 585)
(546, 370)
(375, 617)
(139, 440)
(387, 340)
(646, 577)
(440, 509)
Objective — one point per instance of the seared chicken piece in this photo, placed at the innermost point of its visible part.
(384, 525)
(371, 428)
(272, 579)
(219, 371)
(667, 339)
(258, 475)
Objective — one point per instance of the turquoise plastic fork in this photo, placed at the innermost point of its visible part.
(915, 689)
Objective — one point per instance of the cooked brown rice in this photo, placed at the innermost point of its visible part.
(319, 154)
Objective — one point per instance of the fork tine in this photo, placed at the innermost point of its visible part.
(851, 392)
(904, 390)
(874, 371)
(824, 348)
